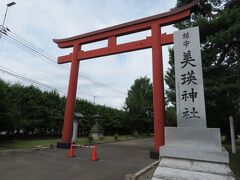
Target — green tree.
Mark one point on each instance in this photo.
(16, 92)
(112, 119)
(5, 120)
(88, 110)
(32, 110)
(171, 119)
(138, 105)
(52, 112)
(219, 32)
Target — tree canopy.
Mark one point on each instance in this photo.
(30, 110)
(138, 105)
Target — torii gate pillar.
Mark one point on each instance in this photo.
(156, 41)
(71, 98)
(158, 87)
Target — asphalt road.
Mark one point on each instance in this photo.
(116, 160)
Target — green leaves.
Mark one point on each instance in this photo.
(31, 110)
(138, 105)
(5, 121)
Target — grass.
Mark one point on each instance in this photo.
(234, 159)
(28, 143)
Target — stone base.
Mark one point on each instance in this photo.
(97, 136)
(183, 169)
(195, 154)
(202, 144)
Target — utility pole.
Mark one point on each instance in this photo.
(4, 19)
(233, 141)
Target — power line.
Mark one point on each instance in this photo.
(33, 45)
(12, 41)
(29, 80)
(40, 84)
(43, 55)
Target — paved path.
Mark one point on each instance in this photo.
(116, 160)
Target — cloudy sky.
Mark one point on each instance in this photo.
(38, 22)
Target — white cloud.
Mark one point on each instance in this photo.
(41, 21)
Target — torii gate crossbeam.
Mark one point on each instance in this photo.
(155, 41)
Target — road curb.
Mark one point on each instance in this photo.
(40, 148)
(143, 174)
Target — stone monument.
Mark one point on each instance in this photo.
(76, 120)
(191, 150)
(97, 131)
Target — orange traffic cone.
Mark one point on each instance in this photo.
(94, 153)
(71, 152)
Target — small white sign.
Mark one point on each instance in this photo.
(188, 79)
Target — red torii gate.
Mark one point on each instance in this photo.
(156, 41)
